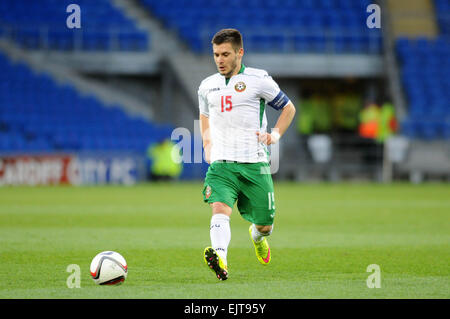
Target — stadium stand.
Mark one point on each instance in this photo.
(39, 114)
(442, 9)
(41, 24)
(412, 18)
(425, 68)
(295, 26)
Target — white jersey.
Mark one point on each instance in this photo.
(236, 111)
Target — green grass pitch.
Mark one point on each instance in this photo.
(325, 237)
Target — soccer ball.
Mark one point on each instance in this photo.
(109, 268)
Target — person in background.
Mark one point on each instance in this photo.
(165, 161)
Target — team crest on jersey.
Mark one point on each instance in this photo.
(240, 86)
(208, 191)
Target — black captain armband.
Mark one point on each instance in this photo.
(279, 101)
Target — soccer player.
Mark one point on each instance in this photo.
(233, 126)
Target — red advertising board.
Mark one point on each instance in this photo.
(73, 169)
(35, 170)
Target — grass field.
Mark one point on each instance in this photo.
(324, 238)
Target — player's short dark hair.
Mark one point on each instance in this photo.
(232, 36)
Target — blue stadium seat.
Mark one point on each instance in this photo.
(442, 9)
(425, 81)
(41, 24)
(36, 114)
(315, 21)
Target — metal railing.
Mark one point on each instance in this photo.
(65, 39)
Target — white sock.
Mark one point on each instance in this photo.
(220, 234)
(257, 236)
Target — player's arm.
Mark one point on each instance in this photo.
(204, 125)
(206, 138)
(278, 100)
(283, 122)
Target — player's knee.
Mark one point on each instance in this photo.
(221, 208)
(264, 229)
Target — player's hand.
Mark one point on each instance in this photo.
(268, 138)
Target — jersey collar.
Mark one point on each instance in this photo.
(241, 70)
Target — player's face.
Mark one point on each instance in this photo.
(228, 60)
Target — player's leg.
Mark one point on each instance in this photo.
(256, 203)
(258, 235)
(260, 231)
(220, 192)
(220, 234)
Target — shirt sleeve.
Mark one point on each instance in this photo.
(202, 104)
(270, 91)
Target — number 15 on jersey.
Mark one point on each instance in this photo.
(226, 104)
